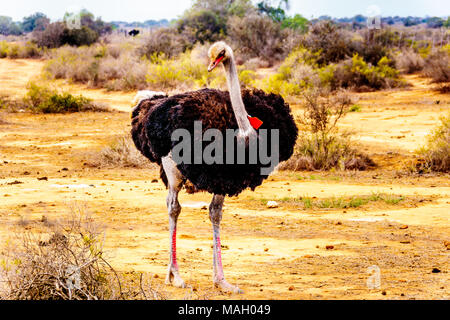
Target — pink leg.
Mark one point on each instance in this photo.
(219, 271)
(215, 215)
(174, 249)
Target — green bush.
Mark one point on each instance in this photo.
(277, 84)
(356, 73)
(57, 34)
(19, 50)
(302, 70)
(79, 37)
(41, 99)
(298, 71)
(355, 108)
(297, 22)
(183, 72)
(435, 156)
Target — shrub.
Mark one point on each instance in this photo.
(113, 68)
(99, 66)
(127, 72)
(51, 37)
(41, 99)
(356, 73)
(57, 34)
(69, 265)
(330, 42)
(320, 145)
(258, 36)
(66, 262)
(435, 156)
(185, 72)
(10, 105)
(164, 73)
(79, 37)
(437, 66)
(27, 50)
(298, 71)
(277, 84)
(167, 41)
(370, 50)
(355, 108)
(408, 61)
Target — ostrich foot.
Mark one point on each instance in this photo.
(174, 278)
(224, 286)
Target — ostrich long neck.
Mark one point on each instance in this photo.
(236, 97)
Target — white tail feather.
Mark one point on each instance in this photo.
(145, 94)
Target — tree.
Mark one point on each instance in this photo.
(8, 27)
(88, 20)
(51, 37)
(277, 13)
(224, 8)
(207, 20)
(202, 25)
(37, 20)
(435, 22)
(79, 37)
(297, 22)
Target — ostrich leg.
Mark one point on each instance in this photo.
(215, 215)
(175, 183)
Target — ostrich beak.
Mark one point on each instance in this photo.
(215, 63)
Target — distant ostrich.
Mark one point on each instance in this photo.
(134, 32)
(156, 116)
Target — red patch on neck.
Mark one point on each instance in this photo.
(255, 122)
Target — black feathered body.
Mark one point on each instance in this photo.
(154, 120)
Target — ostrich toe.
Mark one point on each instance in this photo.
(224, 286)
(174, 278)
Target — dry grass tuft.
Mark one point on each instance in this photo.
(120, 153)
(408, 61)
(66, 262)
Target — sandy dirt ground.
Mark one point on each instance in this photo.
(278, 253)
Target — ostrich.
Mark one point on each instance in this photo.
(156, 116)
(134, 32)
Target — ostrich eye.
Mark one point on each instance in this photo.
(221, 54)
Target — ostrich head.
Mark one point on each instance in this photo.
(219, 52)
